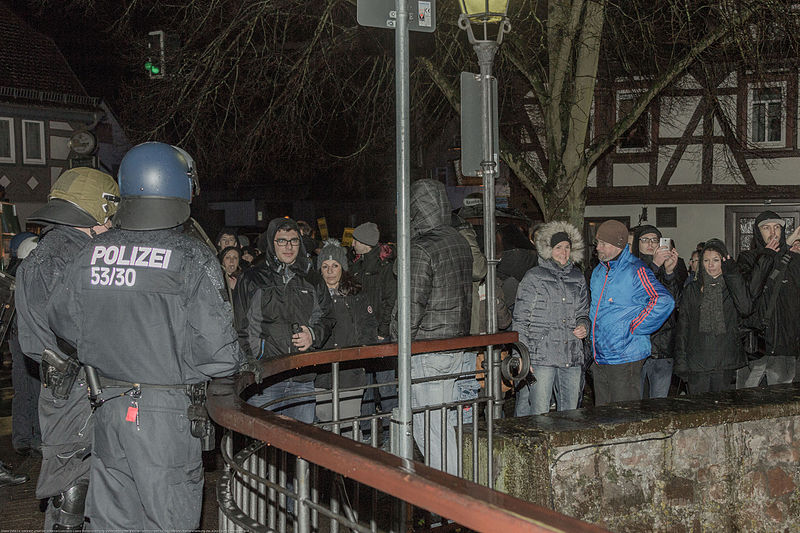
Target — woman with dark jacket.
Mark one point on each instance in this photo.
(356, 324)
(552, 317)
(707, 347)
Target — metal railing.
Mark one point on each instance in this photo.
(284, 475)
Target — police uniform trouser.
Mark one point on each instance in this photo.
(67, 428)
(147, 474)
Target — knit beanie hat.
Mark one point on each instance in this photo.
(767, 217)
(558, 237)
(613, 232)
(333, 251)
(367, 233)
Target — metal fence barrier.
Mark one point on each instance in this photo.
(283, 475)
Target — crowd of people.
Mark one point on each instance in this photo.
(119, 284)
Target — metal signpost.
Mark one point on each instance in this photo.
(402, 16)
(472, 151)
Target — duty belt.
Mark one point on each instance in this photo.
(108, 382)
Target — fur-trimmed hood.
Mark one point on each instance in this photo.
(546, 231)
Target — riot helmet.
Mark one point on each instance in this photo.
(156, 183)
(81, 197)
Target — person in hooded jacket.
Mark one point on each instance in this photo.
(441, 299)
(707, 347)
(664, 262)
(552, 317)
(773, 274)
(280, 307)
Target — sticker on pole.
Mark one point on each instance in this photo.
(425, 11)
(383, 14)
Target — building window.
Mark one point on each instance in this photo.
(33, 142)
(767, 115)
(7, 154)
(637, 138)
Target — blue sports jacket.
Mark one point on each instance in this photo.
(628, 304)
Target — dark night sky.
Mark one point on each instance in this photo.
(91, 52)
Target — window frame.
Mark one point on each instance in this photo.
(29, 160)
(646, 115)
(752, 88)
(12, 137)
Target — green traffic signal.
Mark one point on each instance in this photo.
(154, 69)
(148, 65)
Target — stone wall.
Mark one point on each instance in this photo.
(727, 462)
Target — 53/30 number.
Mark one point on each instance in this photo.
(113, 276)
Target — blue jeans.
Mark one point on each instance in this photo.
(302, 409)
(436, 393)
(534, 398)
(776, 368)
(659, 373)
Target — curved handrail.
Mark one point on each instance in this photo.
(471, 505)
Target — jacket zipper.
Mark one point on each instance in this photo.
(600, 299)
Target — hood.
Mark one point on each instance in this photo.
(637, 233)
(758, 240)
(546, 231)
(301, 264)
(430, 207)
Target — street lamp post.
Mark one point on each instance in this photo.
(487, 14)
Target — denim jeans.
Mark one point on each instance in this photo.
(659, 373)
(534, 398)
(776, 368)
(436, 393)
(301, 409)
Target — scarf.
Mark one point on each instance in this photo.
(712, 317)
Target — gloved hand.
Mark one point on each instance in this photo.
(729, 266)
(253, 366)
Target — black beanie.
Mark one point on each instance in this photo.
(561, 236)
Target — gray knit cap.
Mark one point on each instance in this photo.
(333, 250)
(367, 233)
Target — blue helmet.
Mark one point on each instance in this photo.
(156, 185)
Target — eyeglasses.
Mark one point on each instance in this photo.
(286, 242)
(653, 240)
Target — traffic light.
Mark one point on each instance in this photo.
(155, 54)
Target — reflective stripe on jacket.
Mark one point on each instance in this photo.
(628, 304)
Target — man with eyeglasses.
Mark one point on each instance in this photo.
(280, 307)
(628, 304)
(671, 272)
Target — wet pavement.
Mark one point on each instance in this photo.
(20, 510)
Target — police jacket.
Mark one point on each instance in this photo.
(374, 271)
(628, 304)
(37, 278)
(269, 298)
(441, 267)
(551, 302)
(779, 327)
(697, 351)
(147, 307)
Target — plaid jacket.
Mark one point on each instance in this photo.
(441, 267)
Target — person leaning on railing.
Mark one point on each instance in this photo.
(280, 307)
(552, 317)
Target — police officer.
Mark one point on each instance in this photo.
(144, 302)
(79, 207)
